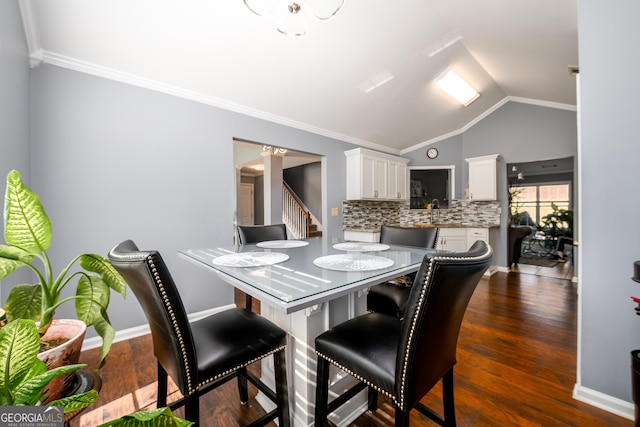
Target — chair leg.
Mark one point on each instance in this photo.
(282, 391)
(162, 387)
(402, 417)
(322, 393)
(447, 399)
(372, 398)
(192, 409)
(242, 386)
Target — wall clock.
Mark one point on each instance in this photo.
(432, 153)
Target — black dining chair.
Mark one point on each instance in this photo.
(391, 297)
(203, 354)
(259, 233)
(404, 358)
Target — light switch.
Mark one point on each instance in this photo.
(334, 211)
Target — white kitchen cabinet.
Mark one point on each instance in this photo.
(483, 178)
(362, 236)
(474, 234)
(452, 239)
(374, 175)
(460, 239)
(398, 179)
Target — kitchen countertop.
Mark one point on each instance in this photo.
(459, 225)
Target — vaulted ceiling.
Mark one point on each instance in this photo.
(220, 53)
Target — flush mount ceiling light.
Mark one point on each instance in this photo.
(454, 85)
(290, 19)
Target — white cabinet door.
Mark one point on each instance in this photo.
(374, 178)
(381, 179)
(452, 239)
(483, 178)
(362, 236)
(398, 187)
(474, 234)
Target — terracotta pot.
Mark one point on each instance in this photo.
(66, 354)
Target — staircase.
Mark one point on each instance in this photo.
(296, 217)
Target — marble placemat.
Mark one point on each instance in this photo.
(360, 247)
(250, 259)
(353, 262)
(282, 244)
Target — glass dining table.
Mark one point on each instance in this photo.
(306, 287)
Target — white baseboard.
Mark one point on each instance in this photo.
(138, 331)
(604, 401)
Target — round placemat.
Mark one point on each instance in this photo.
(360, 247)
(353, 262)
(282, 244)
(250, 259)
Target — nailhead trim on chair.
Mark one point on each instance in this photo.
(174, 323)
(228, 371)
(399, 401)
(190, 390)
(423, 290)
(356, 376)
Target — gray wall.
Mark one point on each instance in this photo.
(609, 69)
(519, 133)
(14, 107)
(113, 161)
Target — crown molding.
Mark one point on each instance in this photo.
(488, 112)
(31, 33)
(111, 74)
(39, 56)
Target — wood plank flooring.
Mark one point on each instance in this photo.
(516, 366)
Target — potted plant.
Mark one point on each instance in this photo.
(28, 232)
(23, 376)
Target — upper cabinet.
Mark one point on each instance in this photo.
(375, 175)
(398, 179)
(483, 178)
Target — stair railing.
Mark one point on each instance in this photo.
(294, 215)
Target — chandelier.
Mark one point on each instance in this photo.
(290, 19)
(273, 150)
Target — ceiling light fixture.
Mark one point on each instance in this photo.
(274, 150)
(454, 85)
(290, 19)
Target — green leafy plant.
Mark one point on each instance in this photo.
(161, 417)
(27, 232)
(23, 376)
(559, 222)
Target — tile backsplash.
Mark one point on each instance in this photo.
(371, 214)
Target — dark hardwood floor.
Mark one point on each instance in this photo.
(516, 366)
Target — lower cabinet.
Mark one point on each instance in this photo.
(474, 234)
(460, 239)
(452, 239)
(362, 236)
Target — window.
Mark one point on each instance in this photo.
(536, 200)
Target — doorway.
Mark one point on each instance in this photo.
(245, 206)
(539, 192)
(300, 170)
